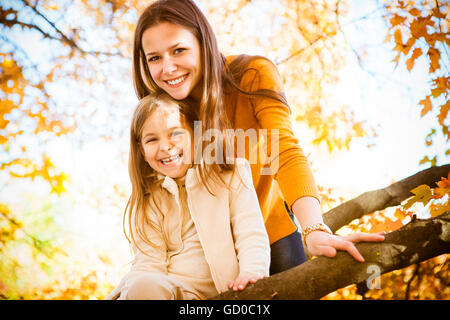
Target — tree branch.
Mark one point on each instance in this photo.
(381, 199)
(415, 242)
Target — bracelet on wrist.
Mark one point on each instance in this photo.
(316, 227)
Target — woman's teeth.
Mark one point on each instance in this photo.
(171, 159)
(177, 81)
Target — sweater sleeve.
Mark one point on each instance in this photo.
(291, 167)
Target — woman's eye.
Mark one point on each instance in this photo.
(178, 50)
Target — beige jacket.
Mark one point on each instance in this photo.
(229, 225)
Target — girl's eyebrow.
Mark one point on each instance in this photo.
(170, 48)
(170, 129)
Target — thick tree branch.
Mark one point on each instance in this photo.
(417, 241)
(381, 199)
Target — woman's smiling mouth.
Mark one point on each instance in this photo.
(176, 82)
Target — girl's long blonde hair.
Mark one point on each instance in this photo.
(144, 179)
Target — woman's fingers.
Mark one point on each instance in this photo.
(321, 243)
(349, 247)
(359, 237)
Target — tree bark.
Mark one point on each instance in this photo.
(380, 199)
(415, 242)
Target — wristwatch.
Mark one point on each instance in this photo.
(316, 227)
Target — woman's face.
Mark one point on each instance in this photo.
(173, 58)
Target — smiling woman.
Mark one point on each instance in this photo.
(173, 56)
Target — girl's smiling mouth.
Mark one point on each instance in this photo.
(175, 159)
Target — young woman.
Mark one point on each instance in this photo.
(192, 237)
(175, 51)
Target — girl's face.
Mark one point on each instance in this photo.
(167, 143)
(173, 58)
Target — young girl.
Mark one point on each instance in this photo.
(175, 51)
(193, 234)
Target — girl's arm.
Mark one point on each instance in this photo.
(250, 235)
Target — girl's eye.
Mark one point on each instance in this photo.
(177, 133)
(150, 140)
(153, 59)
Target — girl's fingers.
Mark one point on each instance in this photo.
(242, 281)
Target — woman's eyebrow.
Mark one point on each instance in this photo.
(171, 47)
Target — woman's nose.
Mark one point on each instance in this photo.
(169, 66)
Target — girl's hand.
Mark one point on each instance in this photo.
(322, 243)
(242, 280)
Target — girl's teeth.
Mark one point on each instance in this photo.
(165, 161)
(177, 81)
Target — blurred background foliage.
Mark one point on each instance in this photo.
(66, 98)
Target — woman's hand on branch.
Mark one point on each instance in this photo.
(322, 243)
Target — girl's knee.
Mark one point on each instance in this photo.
(149, 287)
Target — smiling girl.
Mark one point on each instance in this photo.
(192, 238)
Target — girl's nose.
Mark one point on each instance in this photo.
(167, 147)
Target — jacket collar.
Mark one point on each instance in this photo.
(171, 185)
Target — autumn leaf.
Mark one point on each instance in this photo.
(441, 85)
(396, 20)
(415, 12)
(401, 213)
(393, 225)
(421, 194)
(398, 36)
(444, 112)
(443, 187)
(377, 227)
(434, 55)
(427, 106)
(438, 209)
(410, 62)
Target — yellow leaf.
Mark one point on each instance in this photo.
(437, 210)
(415, 12)
(434, 55)
(410, 62)
(396, 20)
(444, 112)
(427, 106)
(398, 36)
(421, 194)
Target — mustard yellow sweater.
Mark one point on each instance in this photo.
(293, 178)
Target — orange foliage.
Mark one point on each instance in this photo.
(420, 29)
